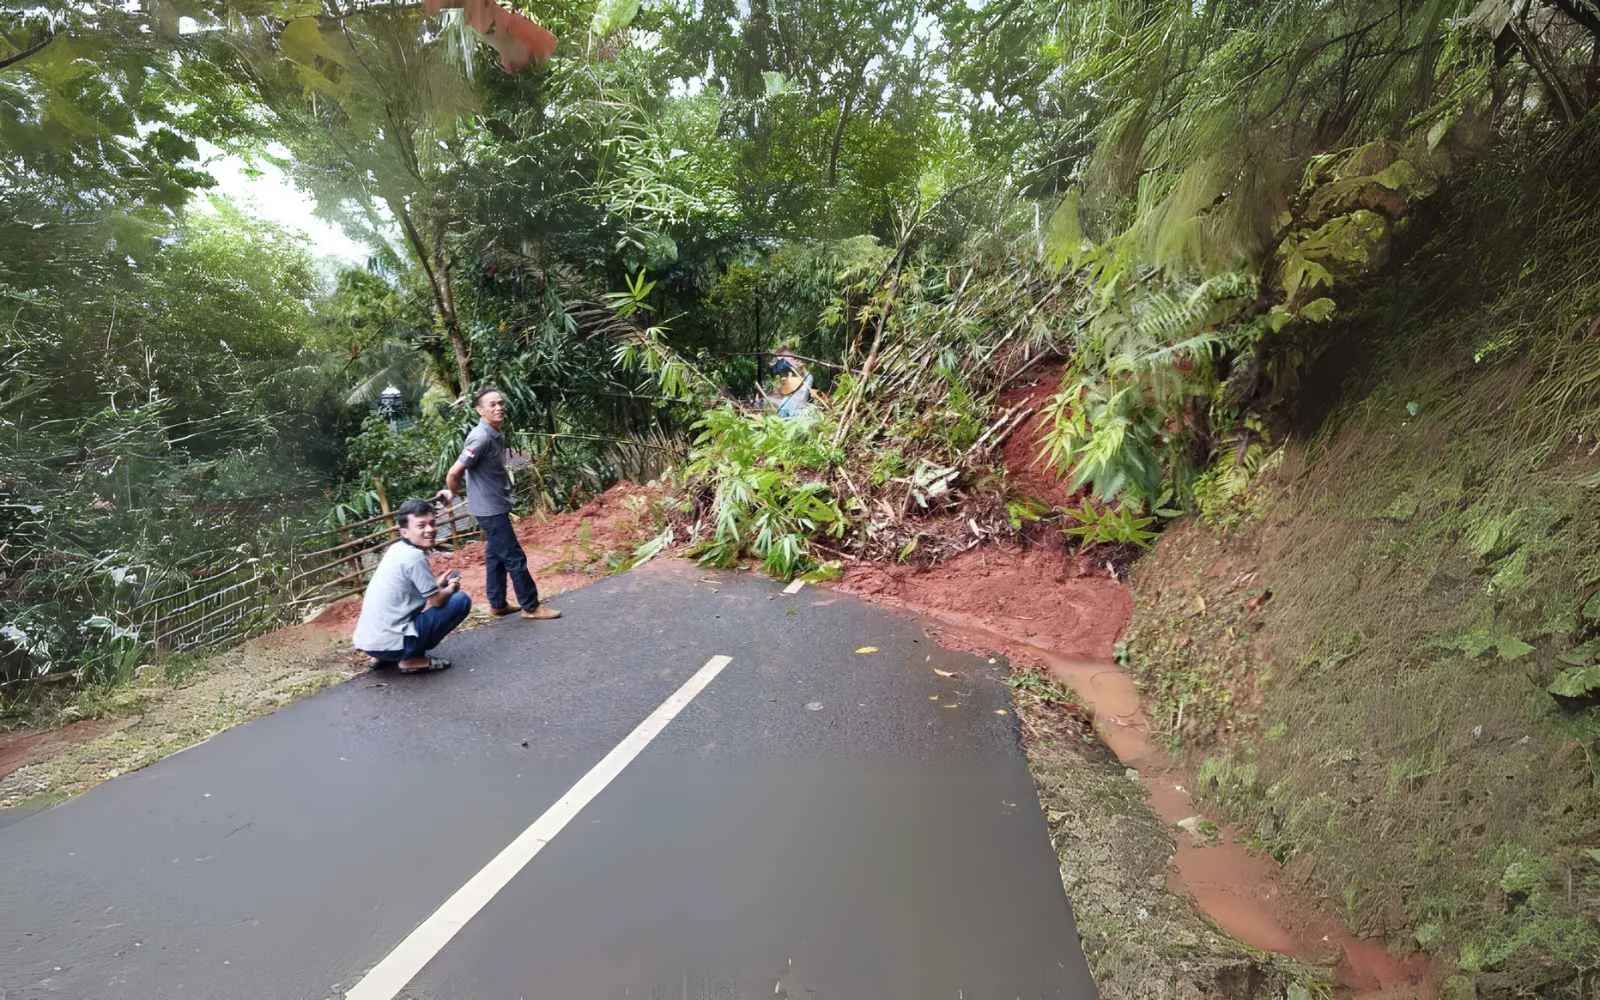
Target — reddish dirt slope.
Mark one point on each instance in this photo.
(1041, 595)
(1029, 476)
(1030, 594)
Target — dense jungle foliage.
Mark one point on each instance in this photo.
(926, 199)
(1180, 200)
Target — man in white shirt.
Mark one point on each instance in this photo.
(406, 610)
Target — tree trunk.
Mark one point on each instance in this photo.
(458, 340)
(458, 345)
(857, 81)
(437, 270)
(838, 137)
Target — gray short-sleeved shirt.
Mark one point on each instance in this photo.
(488, 485)
(399, 587)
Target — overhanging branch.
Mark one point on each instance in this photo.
(28, 52)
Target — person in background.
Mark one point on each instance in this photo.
(406, 610)
(488, 489)
(794, 383)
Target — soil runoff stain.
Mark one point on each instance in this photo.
(1248, 896)
(1244, 893)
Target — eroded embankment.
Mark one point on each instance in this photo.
(1023, 602)
(1141, 892)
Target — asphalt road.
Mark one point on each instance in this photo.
(814, 823)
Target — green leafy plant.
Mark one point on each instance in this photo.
(1035, 685)
(1577, 685)
(767, 493)
(1223, 492)
(654, 547)
(112, 650)
(634, 297)
(1024, 511)
(1104, 439)
(1095, 525)
(1481, 640)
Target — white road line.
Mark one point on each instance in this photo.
(391, 975)
(794, 588)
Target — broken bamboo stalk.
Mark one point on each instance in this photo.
(392, 530)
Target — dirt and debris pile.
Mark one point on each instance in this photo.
(1036, 589)
(1036, 594)
(1026, 472)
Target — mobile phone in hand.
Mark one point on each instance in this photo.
(454, 576)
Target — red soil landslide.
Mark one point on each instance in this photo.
(1036, 605)
(1026, 594)
(1030, 476)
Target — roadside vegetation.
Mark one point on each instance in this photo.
(1394, 630)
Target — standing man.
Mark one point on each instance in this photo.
(488, 488)
(794, 384)
(406, 610)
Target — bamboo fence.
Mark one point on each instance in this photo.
(175, 612)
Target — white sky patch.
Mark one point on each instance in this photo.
(686, 88)
(271, 196)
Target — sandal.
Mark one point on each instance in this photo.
(434, 663)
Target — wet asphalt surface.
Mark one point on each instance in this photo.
(818, 823)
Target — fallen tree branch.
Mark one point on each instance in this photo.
(27, 53)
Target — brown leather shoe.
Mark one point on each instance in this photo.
(502, 612)
(542, 613)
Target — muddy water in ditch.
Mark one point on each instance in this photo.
(1247, 895)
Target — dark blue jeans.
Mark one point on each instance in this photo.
(502, 557)
(433, 624)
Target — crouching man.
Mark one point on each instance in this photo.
(406, 610)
